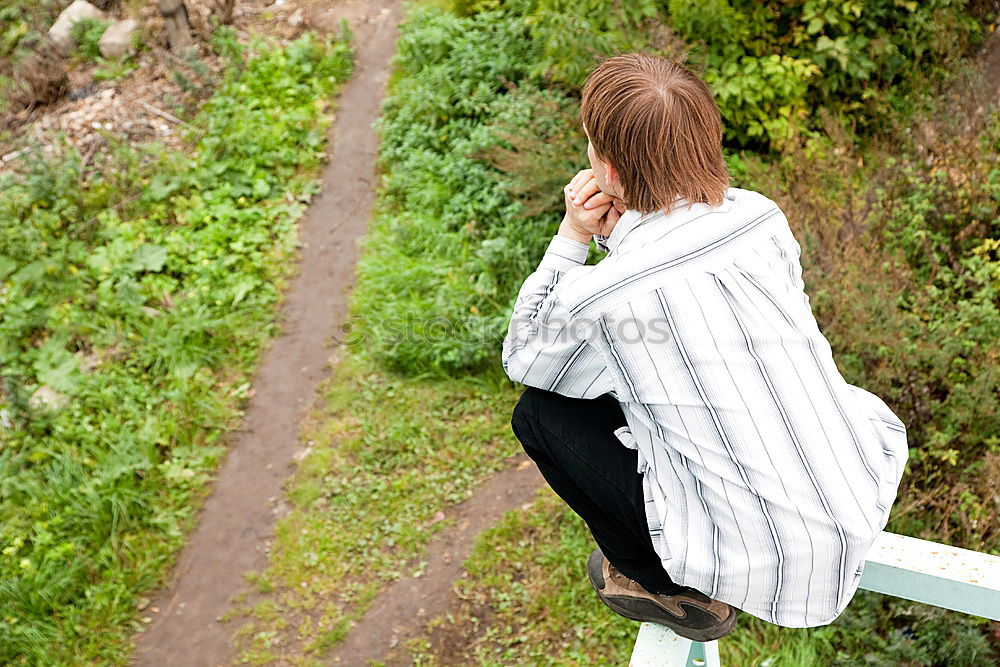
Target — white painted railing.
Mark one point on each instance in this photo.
(905, 567)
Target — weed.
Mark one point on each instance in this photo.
(115, 69)
(87, 34)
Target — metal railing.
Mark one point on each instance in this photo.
(905, 567)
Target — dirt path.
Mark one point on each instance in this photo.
(989, 57)
(237, 518)
(401, 610)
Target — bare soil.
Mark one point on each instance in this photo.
(238, 517)
(990, 64)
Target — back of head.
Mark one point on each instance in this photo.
(655, 121)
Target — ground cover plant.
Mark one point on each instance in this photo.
(138, 286)
(87, 33)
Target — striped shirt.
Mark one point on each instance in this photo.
(766, 475)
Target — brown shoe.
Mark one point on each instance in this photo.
(689, 613)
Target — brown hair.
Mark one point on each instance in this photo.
(656, 122)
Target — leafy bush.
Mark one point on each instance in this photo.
(576, 35)
(936, 217)
(23, 24)
(771, 63)
(466, 98)
(135, 297)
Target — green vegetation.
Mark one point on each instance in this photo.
(31, 68)
(470, 163)
(912, 246)
(385, 455)
(773, 64)
(898, 229)
(23, 24)
(115, 69)
(87, 33)
(136, 293)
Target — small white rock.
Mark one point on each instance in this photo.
(47, 396)
(117, 39)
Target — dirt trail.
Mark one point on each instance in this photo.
(402, 609)
(237, 518)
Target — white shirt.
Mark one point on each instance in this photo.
(766, 475)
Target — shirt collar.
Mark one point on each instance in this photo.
(631, 219)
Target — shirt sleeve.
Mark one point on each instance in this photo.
(546, 346)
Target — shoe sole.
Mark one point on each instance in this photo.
(704, 635)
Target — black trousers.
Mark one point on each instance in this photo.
(573, 443)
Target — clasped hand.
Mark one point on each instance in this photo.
(589, 211)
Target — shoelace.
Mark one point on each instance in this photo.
(621, 580)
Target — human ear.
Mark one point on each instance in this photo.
(611, 172)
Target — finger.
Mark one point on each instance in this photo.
(598, 215)
(581, 177)
(568, 194)
(600, 199)
(575, 180)
(586, 191)
(612, 218)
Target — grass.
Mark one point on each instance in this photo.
(386, 454)
(136, 294)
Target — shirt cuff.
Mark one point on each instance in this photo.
(601, 242)
(563, 254)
